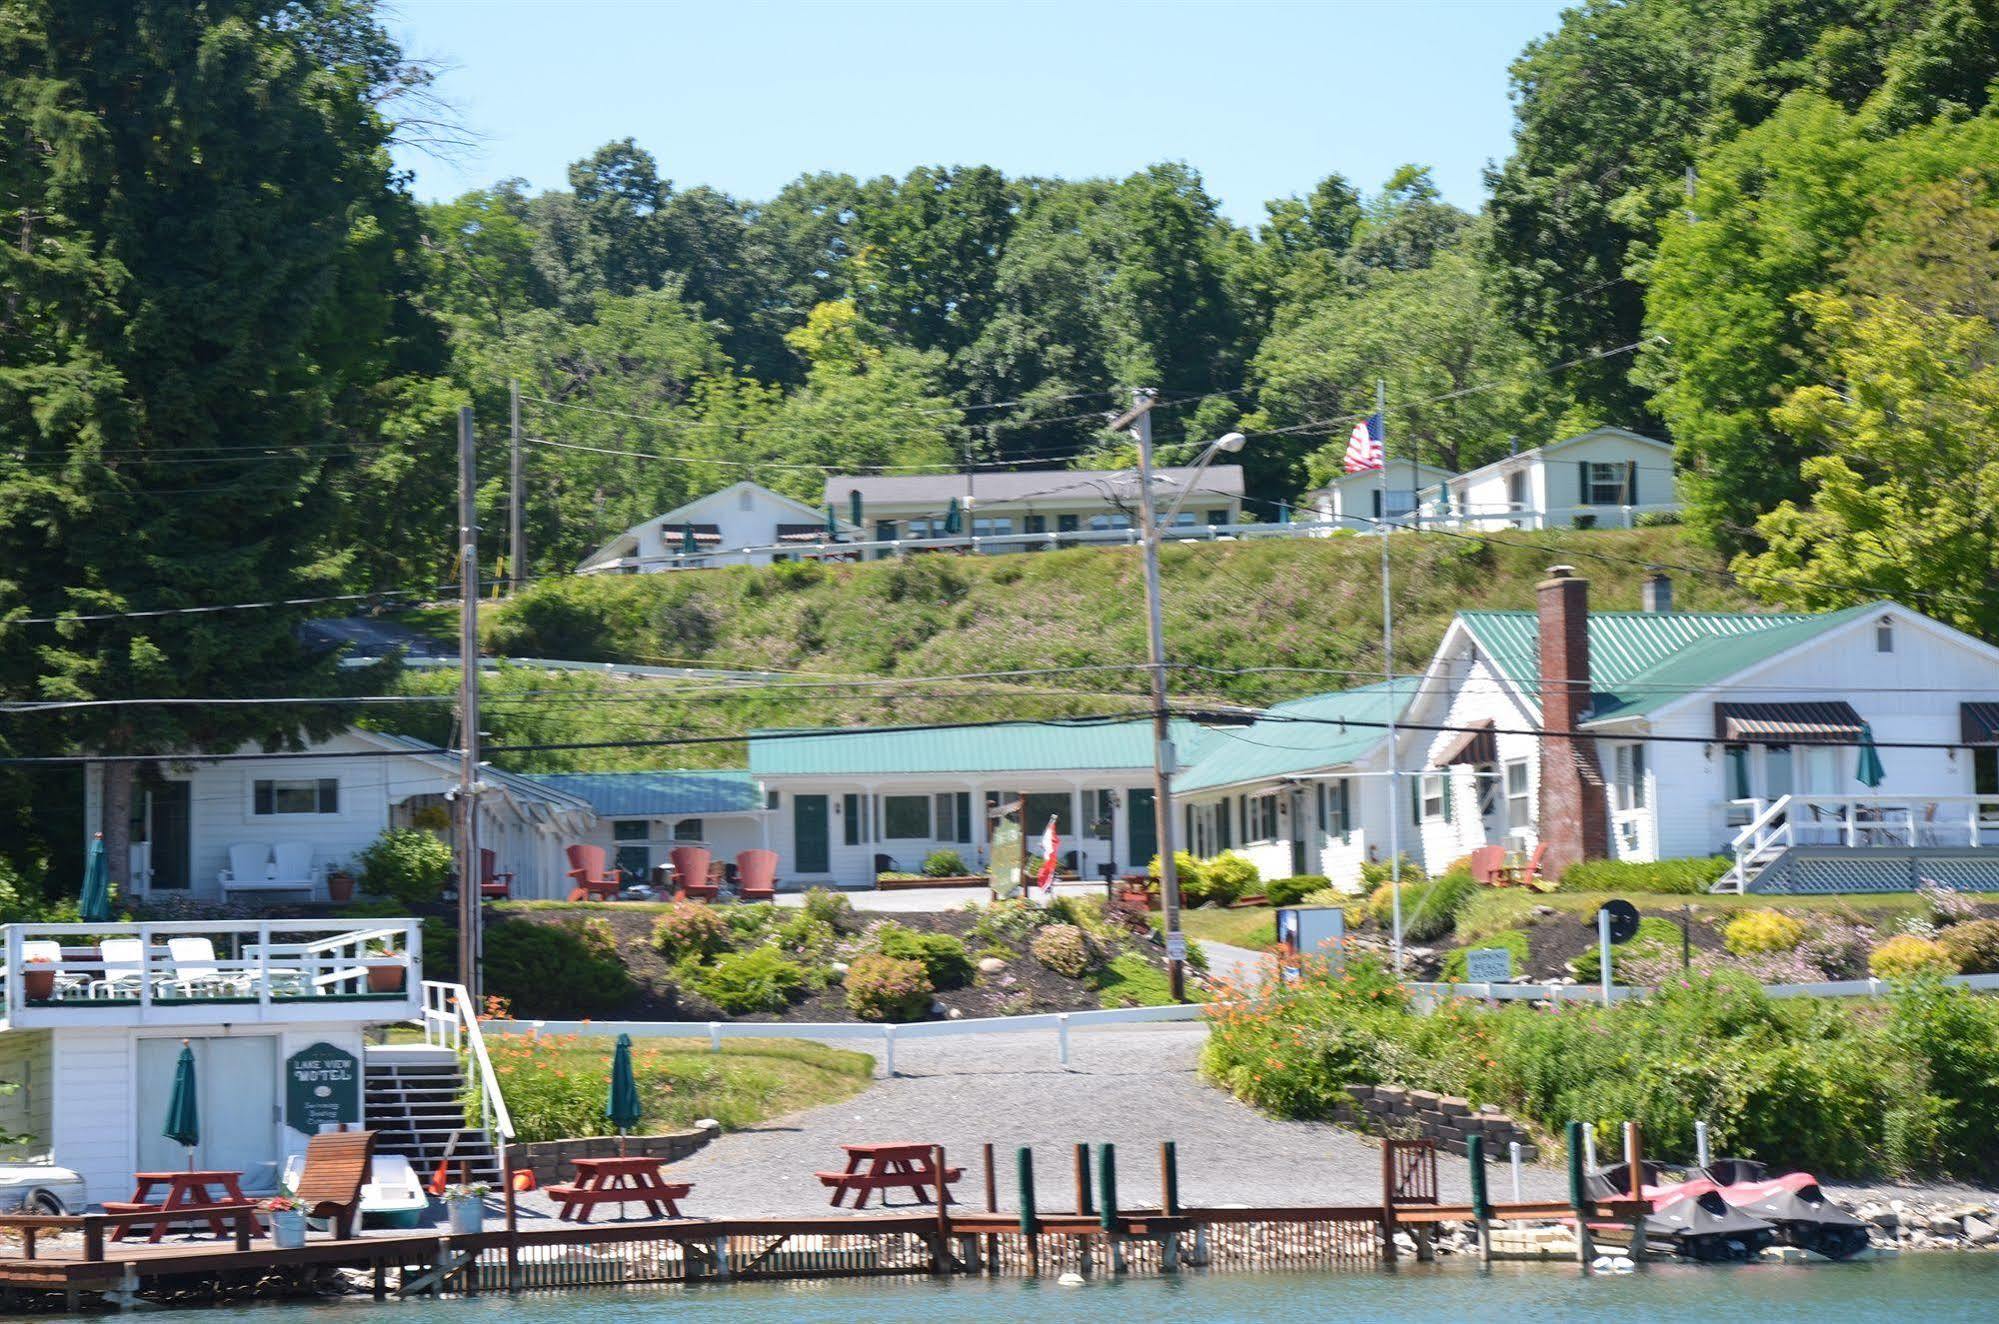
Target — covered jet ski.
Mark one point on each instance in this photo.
(1793, 1203)
(1690, 1216)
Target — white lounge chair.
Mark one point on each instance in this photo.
(46, 951)
(249, 869)
(292, 869)
(196, 974)
(124, 968)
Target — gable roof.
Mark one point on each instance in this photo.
(1542, 452)
(662, 794)
(1424, 473)
(1641, 660)
(1009, 747)
(1273, 746)
(1022, 485)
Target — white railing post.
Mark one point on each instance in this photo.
(12, 992)
(888, 1053)
(145, 970)
(714, 1036)
(1062, 1036)
(1852, 825)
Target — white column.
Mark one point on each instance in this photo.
(1076, 825)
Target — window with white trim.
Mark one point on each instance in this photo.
(1607, 481)
(1109, 523)
(1262, 821)
(1519, 795)
(283, 797)
(1436, 798)
(1627, 780)
(906, 817)
(1884, 637)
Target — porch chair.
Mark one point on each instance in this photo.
(756, 875)
(594, 881)
(195, 972)
(336, 1168)
(1488, 864)
(249, 869)
(124, 968)
(492, 883)
(40, 951)
(690, 874)
(1530, 875)
(292, 868)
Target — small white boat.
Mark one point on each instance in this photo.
(391, 1197)
(40, 1188)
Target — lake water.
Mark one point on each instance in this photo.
(1929, 1288)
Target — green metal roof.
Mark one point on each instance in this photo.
(662, 794)
(1276, 747)
(1009, 747)
(1640, 660)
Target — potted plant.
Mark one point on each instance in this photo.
(384, 978)
(287, 1221)
(339, 883)
(466, 1207)
(38, 979)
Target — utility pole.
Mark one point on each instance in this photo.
(469, 945)
(1388, 674)
(1140, 420)
(516, 536)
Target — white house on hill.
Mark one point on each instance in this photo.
(1032, 501)
(743, 524)
(1364, 497)
(1603, 478)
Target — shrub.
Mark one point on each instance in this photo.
(760, 979)
(808, 940)
(689, 928)
(1758, 932)
(1513, 940)
(1065, 949)
(751, 922)
(887, 988)
(944, 864)
(1185, 867)
(945, 961)
(1945, 904)
(1373, 873)
(1429, 907)
(567, 967)
(406, 865)
(1291, 891)
(1657, 943)
(829, 907)
(1009, 920)
(1222, 879)
(1674, 877)
(1974, 945)
(1906, 956)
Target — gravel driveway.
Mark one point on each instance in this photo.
(1134, 1086)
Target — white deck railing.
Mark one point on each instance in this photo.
(260, 963)
(449, 1020)
(1860, 822)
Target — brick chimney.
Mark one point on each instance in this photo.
(1574, 813)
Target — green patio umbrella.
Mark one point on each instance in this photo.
(832, 524)
(1284, 512)
(954, 523)
(95, 905)
(623, 1107)
(854, 508)
(688, 547)
(1867, 768)
(183, 1115)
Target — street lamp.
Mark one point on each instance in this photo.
(1139, 419)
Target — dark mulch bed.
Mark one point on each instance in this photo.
(1023, 986)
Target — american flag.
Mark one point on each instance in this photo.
(1364, 446)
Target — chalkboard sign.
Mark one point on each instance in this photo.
(322, 1089)
(1488, 965)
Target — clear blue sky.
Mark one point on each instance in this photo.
(1262, 98)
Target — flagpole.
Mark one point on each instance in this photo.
(1388, 674)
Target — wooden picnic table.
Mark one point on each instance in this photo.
(878, 1168)
(185, 1189)
(619, 1180)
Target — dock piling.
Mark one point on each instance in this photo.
(1634, 1159)
(940, 1260)
(1084, 1205)
(1029, 1223)
(1108, 1219)
(1481, 1204)
(1169, 1178)
(1579, 1200)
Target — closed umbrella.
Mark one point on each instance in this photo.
(1284, 512)
(1868, 766)
(953, 522)
(832, 525)
(183, 1113)
(95, 906)
(622, 1108)
(688, 547)
(854, 508)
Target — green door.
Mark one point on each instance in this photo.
(809, 841)
(1141, 831)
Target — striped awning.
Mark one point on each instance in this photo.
(1473, 745)
(1981, 723)
(1787, 723)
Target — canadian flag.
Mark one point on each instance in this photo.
(1051, 843)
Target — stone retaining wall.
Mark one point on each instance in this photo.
(550, 1159)
(1444, 1118)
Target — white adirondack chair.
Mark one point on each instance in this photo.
(196, 974)
(249, 869)
(293, 870)
(124, 968)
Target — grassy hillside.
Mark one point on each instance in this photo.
(1310, 604)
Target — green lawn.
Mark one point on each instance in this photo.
(1254, 927)
(555, 1086)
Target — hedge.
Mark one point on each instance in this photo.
(1669, 877)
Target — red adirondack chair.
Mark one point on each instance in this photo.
(492, 882)
(690, 874)
(1487, 863)
(756, 875)
(594, 881)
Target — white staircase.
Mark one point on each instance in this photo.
(415, 1105)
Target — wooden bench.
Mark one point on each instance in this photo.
(861, 1184)
(124, 1215)
(662, 1199)
(336, 1167)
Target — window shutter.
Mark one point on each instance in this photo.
(1416, 800)
(263, 797)
(1631, 482)
(1450, 795)
(329, 795)
(1582, 482)
(850, 830)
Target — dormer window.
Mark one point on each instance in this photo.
(1884, 637)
